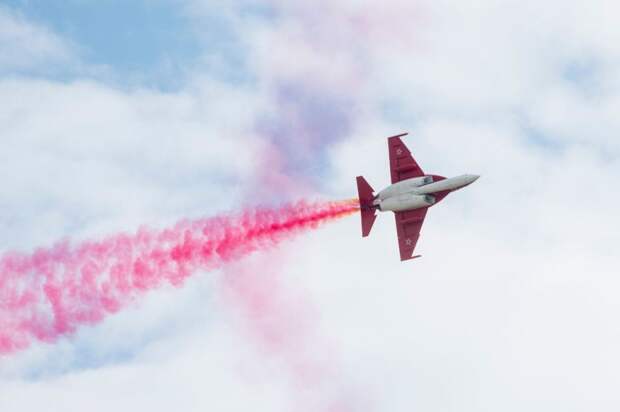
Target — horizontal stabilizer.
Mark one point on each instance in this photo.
(367, 210)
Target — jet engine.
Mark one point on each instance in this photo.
(404, 186)
(407, 201)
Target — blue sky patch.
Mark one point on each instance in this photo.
(152, 43)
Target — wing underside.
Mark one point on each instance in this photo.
(408, 226)
(402, 164)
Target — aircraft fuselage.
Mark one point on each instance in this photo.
(419, 192)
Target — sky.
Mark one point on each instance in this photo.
(119, 114)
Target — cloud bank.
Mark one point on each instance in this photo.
(513, 304)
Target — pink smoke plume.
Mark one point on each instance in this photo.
(284, 325)
(51, 292)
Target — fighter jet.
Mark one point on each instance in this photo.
(409, 196)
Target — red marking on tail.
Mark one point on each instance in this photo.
(53, 291)
(367, 209)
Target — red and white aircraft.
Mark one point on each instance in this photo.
(409, 196)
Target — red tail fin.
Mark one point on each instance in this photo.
(367, 209)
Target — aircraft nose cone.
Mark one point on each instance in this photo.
(471, 179)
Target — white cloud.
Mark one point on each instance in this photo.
(84, 152)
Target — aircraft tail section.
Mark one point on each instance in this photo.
(368, 210)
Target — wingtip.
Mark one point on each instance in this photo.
(398, 135)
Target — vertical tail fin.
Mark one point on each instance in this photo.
(367, 209)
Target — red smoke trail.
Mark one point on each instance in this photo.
(53, 291)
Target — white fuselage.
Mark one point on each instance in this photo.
(418, 192)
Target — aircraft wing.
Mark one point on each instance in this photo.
(402, 164)
(408, 226)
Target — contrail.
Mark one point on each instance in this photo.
(51, 292)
